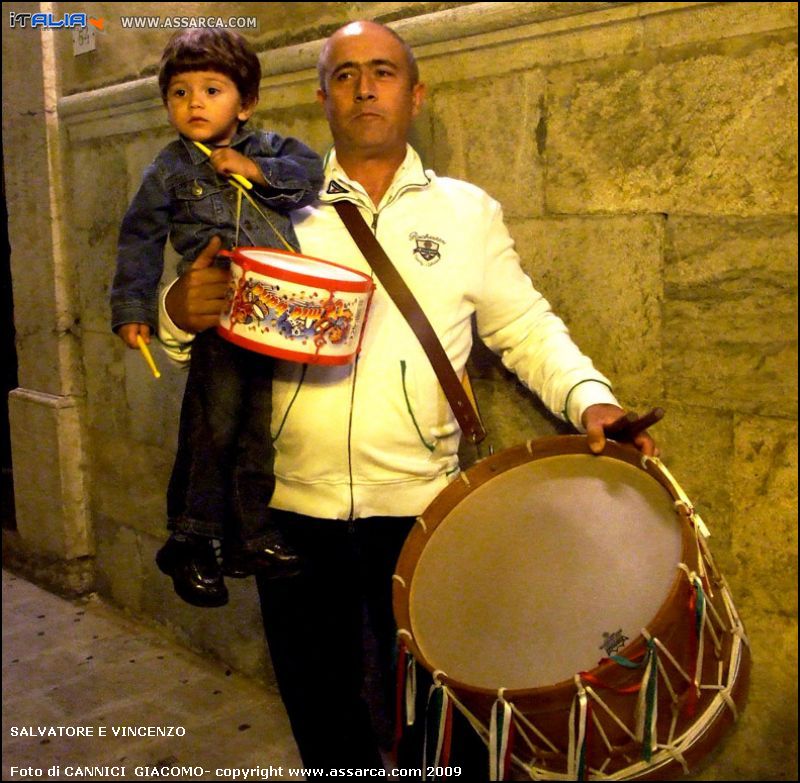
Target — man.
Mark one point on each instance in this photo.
(362, 450)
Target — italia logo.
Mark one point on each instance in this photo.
(426, 248)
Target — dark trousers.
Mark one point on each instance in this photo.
(331, 635)
(222, 480)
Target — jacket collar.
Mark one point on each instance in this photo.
(197, 157)
(338, 185)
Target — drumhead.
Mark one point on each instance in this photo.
(543, 570)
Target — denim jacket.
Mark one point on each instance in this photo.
(183, 197)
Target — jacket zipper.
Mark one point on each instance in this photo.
(351, 518)
(361, 205)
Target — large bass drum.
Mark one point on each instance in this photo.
(569, 606)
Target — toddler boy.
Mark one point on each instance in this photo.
(222, 479)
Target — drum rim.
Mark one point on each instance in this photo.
(515, 456)
(363, 286)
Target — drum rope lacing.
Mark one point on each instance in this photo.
(661, 752)
(682, 500)
(705, 617)
(646, 711)
(673, 748)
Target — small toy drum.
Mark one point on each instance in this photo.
(569, 606)
(295, 307)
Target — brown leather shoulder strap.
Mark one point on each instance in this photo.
(397, 289)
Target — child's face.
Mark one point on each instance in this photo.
(206, 106)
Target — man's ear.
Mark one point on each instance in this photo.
(418, 93)
(322, 96)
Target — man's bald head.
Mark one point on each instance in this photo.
(357, 28)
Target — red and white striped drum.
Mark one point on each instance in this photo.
(569, 606)
(295, 307)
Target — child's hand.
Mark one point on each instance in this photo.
(129, 332)
(228, 161)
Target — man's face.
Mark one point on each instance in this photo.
(369, 99)
(205, 106)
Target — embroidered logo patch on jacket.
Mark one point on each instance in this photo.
(426, 248)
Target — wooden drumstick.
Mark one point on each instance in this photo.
(621, 424)
(148, 357)
(630, 425)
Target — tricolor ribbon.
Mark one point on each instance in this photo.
(438, 728)
(578, 716)
(405, 691)
(500, 738)
(647, 705)
(410, 694)
(647, 688)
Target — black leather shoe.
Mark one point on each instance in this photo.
(275, 561)
(195, 573)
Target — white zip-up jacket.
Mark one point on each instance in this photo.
(378, 438)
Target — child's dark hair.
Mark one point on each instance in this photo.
(211, 49)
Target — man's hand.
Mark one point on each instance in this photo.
(228, 161)
(197, 297)
(597, 417)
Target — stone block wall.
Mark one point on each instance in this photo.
(645, 155)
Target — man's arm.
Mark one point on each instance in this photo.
(176, 343)
(517, 322)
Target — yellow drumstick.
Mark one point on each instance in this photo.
(148, 357)
(238, 177)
